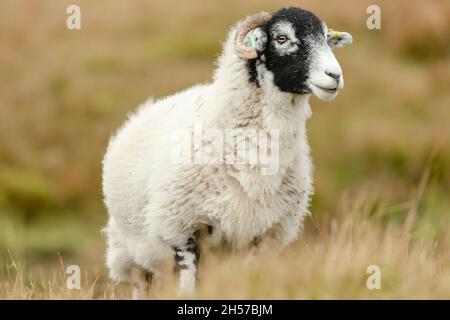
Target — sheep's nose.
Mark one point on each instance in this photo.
(335, 76)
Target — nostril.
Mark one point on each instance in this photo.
(335, 76)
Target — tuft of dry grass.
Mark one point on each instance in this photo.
(329, 261)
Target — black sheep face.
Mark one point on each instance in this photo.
(294, 46)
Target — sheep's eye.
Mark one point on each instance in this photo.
(282, 39)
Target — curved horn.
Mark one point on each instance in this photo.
(244, 28)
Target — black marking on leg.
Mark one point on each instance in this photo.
(189, 248)
(179, 258)
(256, 241)
(148, 276)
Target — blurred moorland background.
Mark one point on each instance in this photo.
(381, 149)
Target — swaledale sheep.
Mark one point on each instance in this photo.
(269, 67)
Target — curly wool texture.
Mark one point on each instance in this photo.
(153, 203)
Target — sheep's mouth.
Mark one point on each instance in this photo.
(327, 90)
(324, 93)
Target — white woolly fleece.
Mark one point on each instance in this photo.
(153, 203)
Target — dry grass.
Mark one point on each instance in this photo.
(330, 261)
(381, 150)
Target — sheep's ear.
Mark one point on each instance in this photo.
(256, 38)
(338, 39)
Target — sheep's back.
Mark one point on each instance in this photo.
(138, 157)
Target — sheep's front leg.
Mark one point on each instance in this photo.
(186, 259)
(276, 238)
(140, 279)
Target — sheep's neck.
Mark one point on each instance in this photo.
(250, 107)
(264, 108)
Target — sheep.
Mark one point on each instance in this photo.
(269, 67)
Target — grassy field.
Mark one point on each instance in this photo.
(381, 149)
